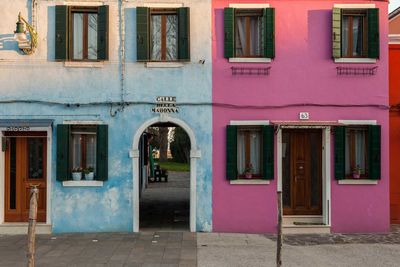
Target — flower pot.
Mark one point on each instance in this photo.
(248, 175)
(76, 176)
(356, 175)
(89, 176)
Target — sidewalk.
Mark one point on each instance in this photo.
(186, 249)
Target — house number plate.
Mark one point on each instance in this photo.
(304, 116)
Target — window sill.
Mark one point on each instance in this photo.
(82, 183)
(355, 60)
(249, 181)
(249, 60)
(358, 181)
(164, 65)
(84, 64)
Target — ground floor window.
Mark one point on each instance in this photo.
(357, 152)
(82, 152)
(250, 152)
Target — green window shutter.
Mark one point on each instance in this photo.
(231, 152)
(142, 33)
(269, 38)
(373, 32)
(102, 153)
(63, 133)
(268, 152)
(374, 152)
(102, 33)
(229, 32)
(61, 37)
(336, 32)
(184, 34)
(340, 152)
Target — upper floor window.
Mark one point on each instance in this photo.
(81, 33)
(249, 32)
(355, 33)
(163, 34)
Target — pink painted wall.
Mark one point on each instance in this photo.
(302, 72)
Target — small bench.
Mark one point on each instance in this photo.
(160, 174)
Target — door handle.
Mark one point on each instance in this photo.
(34, 185)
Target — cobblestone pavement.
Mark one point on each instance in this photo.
(146, 249)
(326, 239)
(166, 206)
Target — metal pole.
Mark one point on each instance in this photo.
(32, 225)
(279, 238)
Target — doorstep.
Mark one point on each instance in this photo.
(22, 228)
(306, 229)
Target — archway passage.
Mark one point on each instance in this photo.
(164, 178)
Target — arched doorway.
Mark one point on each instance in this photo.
(135, 154)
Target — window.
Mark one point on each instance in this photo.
(250, 152)
(82, 147)
(249, 32)
(81, 33)
(357, 152)
(163, 34)
(355, 33)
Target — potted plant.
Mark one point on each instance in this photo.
(248, 171)
(89, 173)
(357, 172)
(77, 174)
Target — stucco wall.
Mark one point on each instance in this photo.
(302, 73)
(39, 77)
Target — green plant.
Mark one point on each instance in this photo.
(357, 169)
(249, 168)
(88, 170)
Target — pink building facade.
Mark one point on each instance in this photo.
(300, 96)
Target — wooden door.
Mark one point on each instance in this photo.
(302, 172)
(25, 165)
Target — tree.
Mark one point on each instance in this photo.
(163, 139)
(180, 146)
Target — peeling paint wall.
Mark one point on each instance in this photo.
(39, 77)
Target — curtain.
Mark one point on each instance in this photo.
(78, 36)
(357, 157)
(92, 36)
(256, 35)
(76, 151)
(156, 37)
(241, 152)
(357, 36)
(91, 151)
(240, 36)
(172, 37)
(255, 147)
(360, 150)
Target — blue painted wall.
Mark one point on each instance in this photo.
(39, 77)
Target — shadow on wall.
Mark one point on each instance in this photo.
(320, 34)
(51, 29)
(7, 42)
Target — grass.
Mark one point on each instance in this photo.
(174, 166)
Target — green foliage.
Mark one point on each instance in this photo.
(174, 166)
(180, 147)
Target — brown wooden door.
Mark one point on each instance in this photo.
(302, 175)
(25, 165)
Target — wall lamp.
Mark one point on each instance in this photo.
(27, 46)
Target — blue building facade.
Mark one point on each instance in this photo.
(105, 97)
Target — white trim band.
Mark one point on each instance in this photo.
(249, 5)
(358, 182)
(249, 181)
(249, 60)
(82, 183)
(351, 6)
(164, 65)
(355, 60)
(358, 122)
(254, 122)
